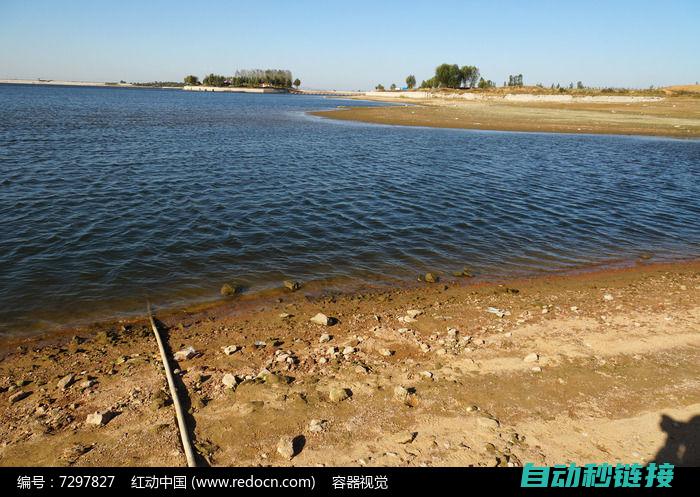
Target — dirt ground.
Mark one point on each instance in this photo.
(589, 367)
(673, 116)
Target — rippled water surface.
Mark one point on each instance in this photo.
(110, 196)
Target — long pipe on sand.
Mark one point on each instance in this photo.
(184, 436)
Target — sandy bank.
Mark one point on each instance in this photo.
(625, 115)
(589, 368)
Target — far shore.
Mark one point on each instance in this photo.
(673, 115)
(587, 367)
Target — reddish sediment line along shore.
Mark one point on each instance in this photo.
(591, 367)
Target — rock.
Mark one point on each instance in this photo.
(228, 290)
(66, 381)
(348, 350)
(292, 285)
(231, 349)
(498, 312)
(431, 278)
(407, 319)
(427, 374)
(414, 313)
(17, 396)
(322, 360)
(338, 394)
(400, 392)
(472, 408)
(386, 352)
(486, 422)
(184, 354)
(229, 380)
(361, 369)
(608, 297)
(285, 447)
(322, 319)
(325, 338)
(285, 315)
(87, 384)
(464, 273)
(260, 344)
(99, 418)
(317, 425)
(161, 399)
(536, 369)
(531, 357)
(404, 437)
(452, 332)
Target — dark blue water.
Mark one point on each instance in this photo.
(110, 196)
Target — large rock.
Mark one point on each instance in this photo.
(431, 278)
(533, 357)
(338, 394)
(322, 319)
(292, 285)
(66, 381)
(486, 422)
(228, 290)
(17, 396)
(99, 418)
(285, 447)
(184, 354)
(229, 380)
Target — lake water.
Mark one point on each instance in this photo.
(110, 196)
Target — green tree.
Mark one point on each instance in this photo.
(470, 75)
(191, 80)
(297, 83)
(411, 81)
(486, 83)
(392, 87)
(448, 76)
(580, 86)
(379, 87)
(214, 80)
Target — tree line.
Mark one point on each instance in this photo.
(247, 78)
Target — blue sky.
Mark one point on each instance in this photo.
(353, 45)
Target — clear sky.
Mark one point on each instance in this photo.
(353, 44)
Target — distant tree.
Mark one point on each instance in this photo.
(392, 87)
(579, 85)
(486, 83)
(191, 80)
(571, 86)
(214, 80)
(448, 76)
(411, 81)
(379, 87)
(470, 75)
(515, 80)
(297, 83)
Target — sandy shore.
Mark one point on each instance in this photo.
(591, 367)
(672, 116)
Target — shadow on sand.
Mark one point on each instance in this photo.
(682, 447)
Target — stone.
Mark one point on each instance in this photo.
(228, 290)
(386, 352)
(317, 425)
(231, 349)
(414, 313)
(229, 380)
(99, 418)
(285, 447)
(486, 422)
(608, 297)
(498, 312)
(536, 369)
(533, 357)
(292, 285)
(285, 315)
(348, 350)
(325, 338)
(431, 278)
(321, 319)
(338, 394)
(65, 382)
(404, 437)
(472, 408)
(427, 374)
(184, 354)
(17, 396)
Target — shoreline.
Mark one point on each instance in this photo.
(670, 116)
(339, 285)
(614, 350)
